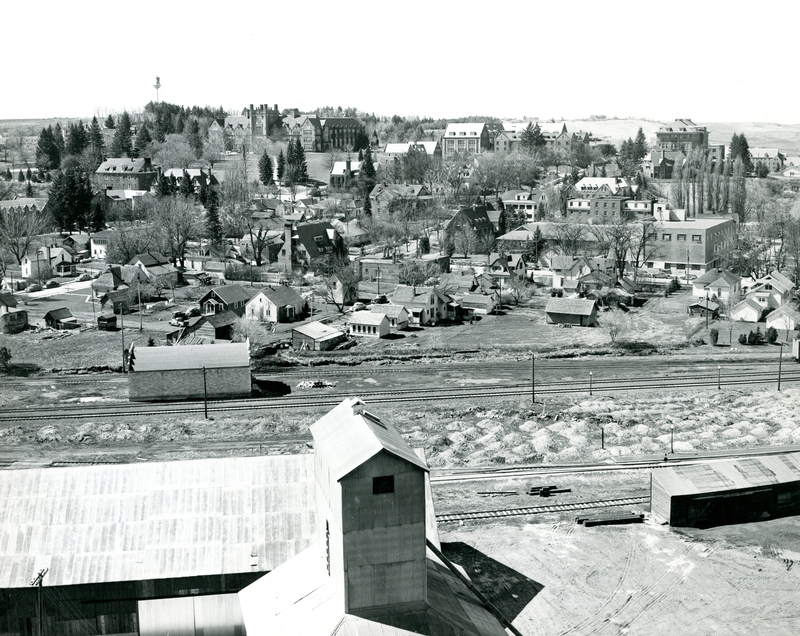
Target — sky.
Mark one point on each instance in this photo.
(708, 61)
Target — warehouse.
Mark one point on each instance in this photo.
(148, 548)
(728, 491)
(189, 372)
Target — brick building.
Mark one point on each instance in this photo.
(683, 135)
(125, 173)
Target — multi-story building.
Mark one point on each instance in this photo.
(772, 158)
(125, 173)
(683, 135)
(263, 119)
(466, 139)
(522, 206)
(699, 244)
(508, 141)
(599, 210)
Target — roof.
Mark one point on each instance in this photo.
(22, 202)
(713, 275)
(299, 597)
(784, 310)
(475, 301)
(405, 294)
(692, 224)
(477, 217)
(281, 295)
(308, 232)
(217, 356)
(366, 318)
(222, 319)
(573, 306)
(62, 313)
(123, 165)
(731, 474)
(469, 130)
(348, 436)
(777, 276)
(149, 259)
(228, 294)
(389, 309)
(748, 302)
(317, 331)
(705, 304)
(340, 167)
(8, 300)
(154, 520)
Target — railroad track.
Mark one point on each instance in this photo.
(571, 387)
(536, 510)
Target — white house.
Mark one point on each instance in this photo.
(747, 311)
(275, 304)
(725, 285)
(60, 261)
(368, 325)
(397, 314)
(784, 318)
(772, 290)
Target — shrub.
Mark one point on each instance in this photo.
(751, 338)
(743, 338)
(758, 336)
(5, 357)
(772, 335)
(713, 336)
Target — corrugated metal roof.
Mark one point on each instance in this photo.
(191, 357)
(573, 306)
(734, 474)
(107, 523)
(348, 436)
(317, 330)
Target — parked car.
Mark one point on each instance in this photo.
(51, 284)
(193, 312)
(358, 307)
(380, 300)
(33, 288)
(83, 277)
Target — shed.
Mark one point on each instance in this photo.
(12, 320)
(316, 336)
(747, 311)
(785, 317)
(396, 314)
(702, 307)
(727, 491)
(119, 299)
(107, 323)
(571, 311)
(189, 372)
(365, 324)
(61, 319)
(483, 304)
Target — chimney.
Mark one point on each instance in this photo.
(251, 109)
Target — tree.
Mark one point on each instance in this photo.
(640, 146)
(339, 283)
(532, 140)
(19, 226)
(70, 199)
(213, 223)
(143, 140)
(281, 165)
(175, 222)
(48, 156)
(109, 123)
(740, 149)
(186, 187)
(713, 335)
(367, 207)
(367, 172)
(28, 174)
(21, 177)
(194, 139)
(122, 145)
(418, 272)
(464, 240)
(96, 142)
(519, 289)
(97, 217)
(738, 190)
(265, 169)
(615, 322)
(299, 166)
(5, 357)
(175, 152)
(772, 335)
(77, 138)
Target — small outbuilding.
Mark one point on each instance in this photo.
(189, 372)
(729, 491)
(316, 336)
(784, 318)
(107, 323)
(12, 320)
(61, 318)
(747, 311)
(119, 299)
(571, 311)
(482, 304)
(365, 324)
(703, 307)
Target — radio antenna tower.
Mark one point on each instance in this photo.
(157, 85)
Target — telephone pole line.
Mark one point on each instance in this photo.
(37, 581)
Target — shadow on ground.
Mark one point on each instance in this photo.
(508, 590)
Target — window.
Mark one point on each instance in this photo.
(666, 237)
(681, 237)
(697, 238)
(383, 485)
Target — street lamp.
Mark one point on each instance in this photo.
(719, 371)
(590, 383)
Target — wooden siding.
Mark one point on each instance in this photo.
(183, 384)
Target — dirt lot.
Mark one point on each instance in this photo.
(561, 578)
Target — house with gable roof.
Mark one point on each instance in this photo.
(396, 314)
(367, 324)
(747, 310)
(200, 178)
(156, 265)
(571, 311)
(376, 567)
(278, 303)
(224, 298)
(425, 305)
(772, 290)
(784, 317)
(60, 260)
(126, 173)
(474, 218)
(725, 285)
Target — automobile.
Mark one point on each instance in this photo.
(33, 288)
(193, 312)
(380, 300)
(51, 284)
(84, 277)
(358, 307)
(85, 260)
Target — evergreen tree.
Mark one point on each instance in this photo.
(213, 223)
(281, 165)
(122, 146)
(143, 139)
(361, 141)
(96, 136)
(173, 184)
(291, 155)
(640, 146)
(109, 123)
(8, 174)
(361, 155)
(527, 138)
(368, 172)
(28, 174)
(47, 154)
(186, 187)
(77, 138)
(70, 199)
(158, 131)
(300, 165)
(21, 177)
(740, 148)
(97, 218)
(29, 189)
(58, 137)
(202, 195)
(194, 138)
(163, 187)
(367, 207)
(180, 124)
(265, 169)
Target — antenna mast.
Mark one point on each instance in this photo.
(157, 85)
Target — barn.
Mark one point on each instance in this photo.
(189, 372)
(726, 491)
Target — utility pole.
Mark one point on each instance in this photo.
(590, 383)
(706, 309)
(139, 290)
(37, 581)
(205, 393)
(122, 331)
(533, 378)
(780, 361)
(687, 265)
